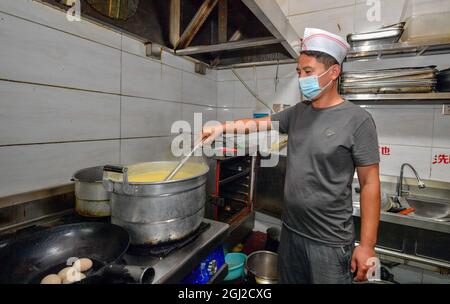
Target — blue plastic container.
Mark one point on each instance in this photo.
(260, 115)
(235, 263)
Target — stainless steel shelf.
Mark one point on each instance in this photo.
(399, 49)
(415, 98)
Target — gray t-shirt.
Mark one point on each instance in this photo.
(324, 147)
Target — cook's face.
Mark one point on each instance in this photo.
(309, 66)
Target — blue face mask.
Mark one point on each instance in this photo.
(310, 87)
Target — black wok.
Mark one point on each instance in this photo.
(30, 257)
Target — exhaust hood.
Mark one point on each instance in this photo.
(218, 33)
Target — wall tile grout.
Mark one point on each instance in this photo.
(85, 141)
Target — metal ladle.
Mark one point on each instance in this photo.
(183, 161)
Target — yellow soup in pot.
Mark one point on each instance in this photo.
(158, 176)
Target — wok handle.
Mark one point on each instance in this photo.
(130, 273)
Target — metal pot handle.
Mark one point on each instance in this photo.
(108, 185)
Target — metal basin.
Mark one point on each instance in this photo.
(262, 267)
(430, 208)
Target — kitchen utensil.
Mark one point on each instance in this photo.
(400, 80)
(262, 267)
(398, 74)
(29, 257)
(235, 261)
(91, 198)
(183, 161)
(407, 211)
(156, 212)
(384, 35)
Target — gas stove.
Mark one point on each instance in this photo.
(198, 258)
(201, 255)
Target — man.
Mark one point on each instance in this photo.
(328, 139)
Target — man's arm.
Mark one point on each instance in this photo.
(241, 126)
(370, 202)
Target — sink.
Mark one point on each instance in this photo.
(430, 208)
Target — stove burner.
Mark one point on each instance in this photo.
(163, 250)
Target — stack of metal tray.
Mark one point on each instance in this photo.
(390, 81)
(385, 35)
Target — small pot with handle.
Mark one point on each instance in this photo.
(92, 200)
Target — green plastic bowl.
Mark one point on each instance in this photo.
(235, 263)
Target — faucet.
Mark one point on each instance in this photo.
(400, 190)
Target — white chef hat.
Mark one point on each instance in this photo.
(326, 42)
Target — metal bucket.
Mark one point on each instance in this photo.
(156, 212)
(261, 267)
(91, 198)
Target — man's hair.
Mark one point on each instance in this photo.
(321, 57)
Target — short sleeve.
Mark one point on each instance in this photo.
(283, 119)
(365, 150)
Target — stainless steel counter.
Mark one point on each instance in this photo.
(406, 220)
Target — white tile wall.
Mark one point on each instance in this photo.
(286, 92)
(440, 171)
(242, 97)
(441, 129)
(404, 126)
(225, 114)
(143, 77)
(225, 93)
(40, 114)
(242, 113)
(199, 90)
(347, 16)
(225, 75)
(145, 150)
(303, 7)
(35, 53)
(390, 13)
(420, 7)
(43, 14)
(419, 157)
(33, 167)
(51, 76)
(145, 117)
(338, 20)
(208, 114)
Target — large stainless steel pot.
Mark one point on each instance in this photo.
(156, 212)
(91, 198)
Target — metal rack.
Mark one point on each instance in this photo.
(400, 49)
(411, 98)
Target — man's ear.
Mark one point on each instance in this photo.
(336, 71)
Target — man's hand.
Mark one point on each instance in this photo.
(210, 133)
(361, 255)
